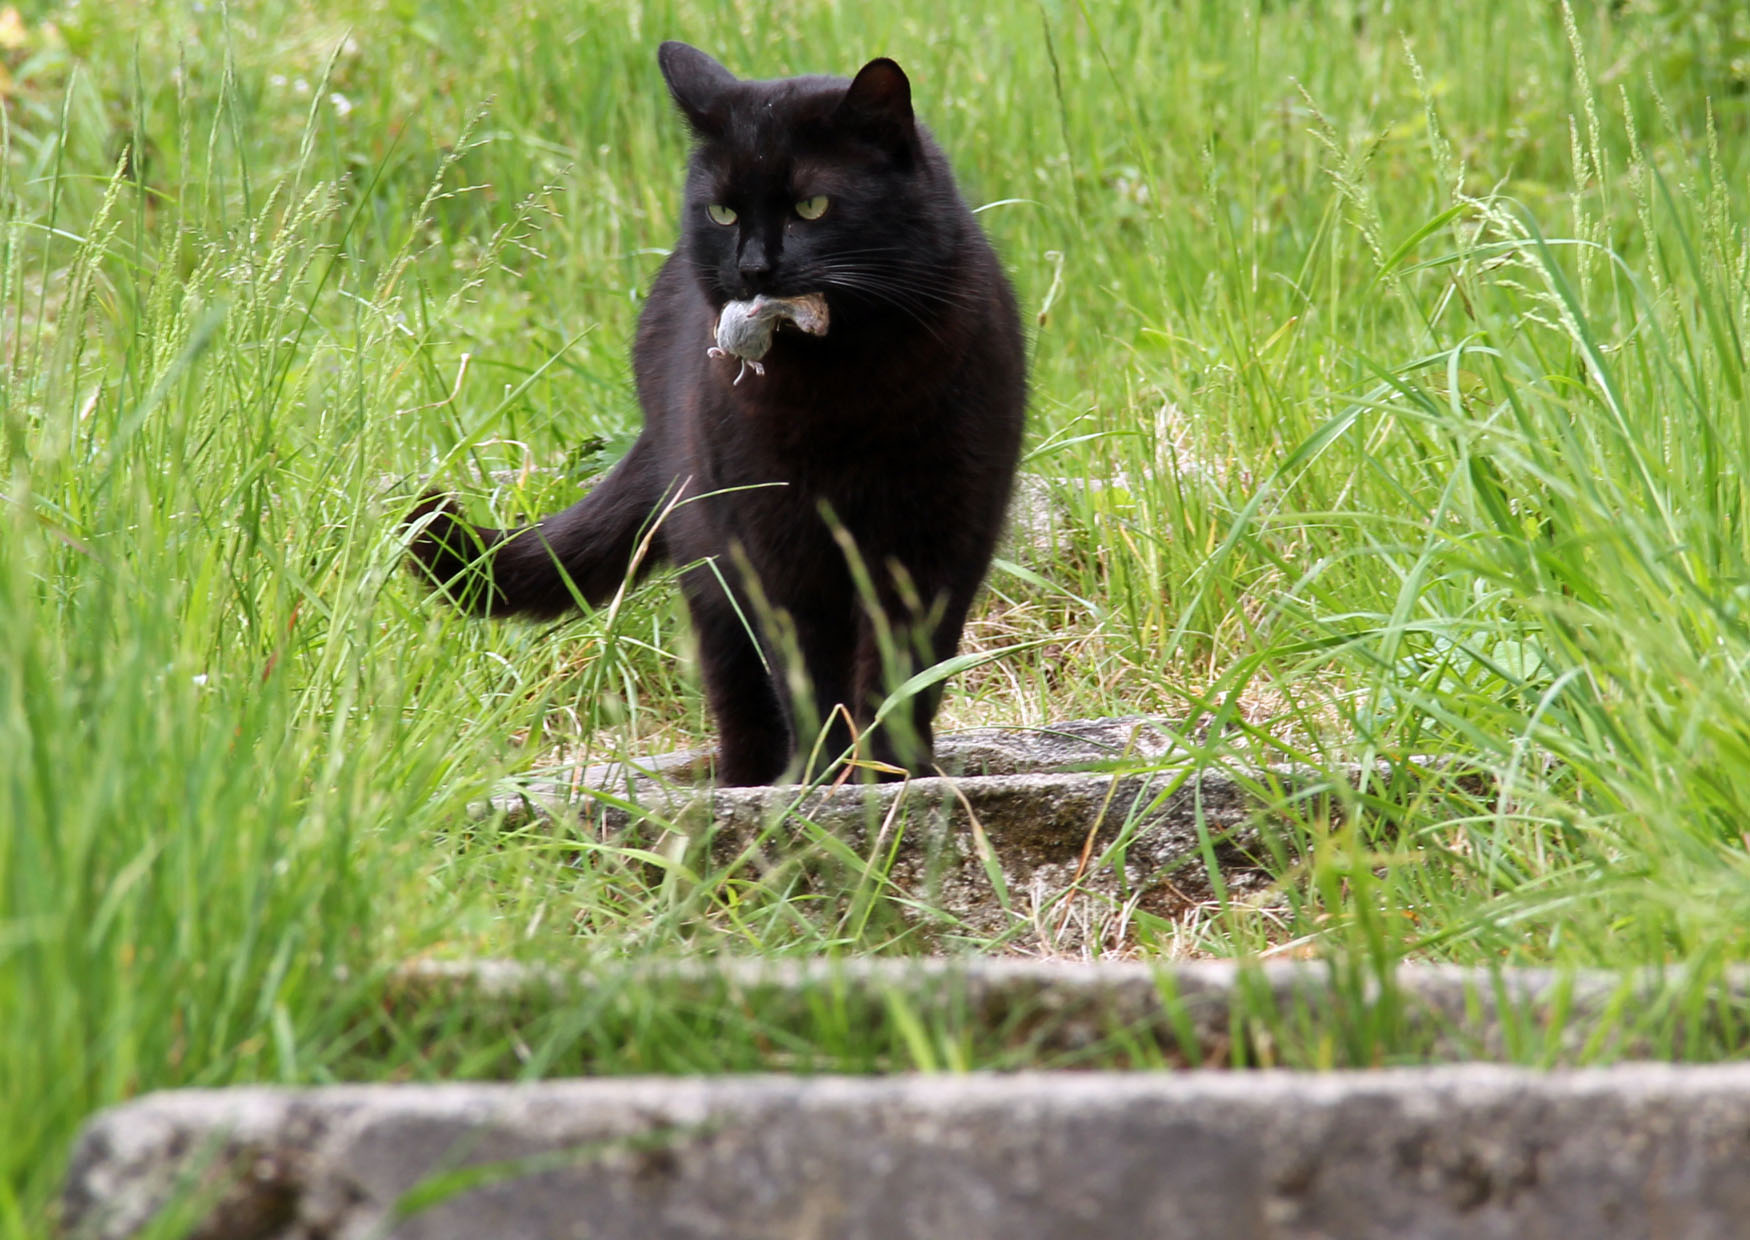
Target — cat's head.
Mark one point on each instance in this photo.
(813, 184)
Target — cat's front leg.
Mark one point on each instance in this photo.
(909, 640)
(753, 736)
(816, 643)
(903, 740)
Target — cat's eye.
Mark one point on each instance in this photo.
(721, 214)
(812, 208)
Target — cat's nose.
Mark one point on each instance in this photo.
(754, 265)
(755, 272)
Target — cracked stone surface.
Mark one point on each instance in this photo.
(1463, 1153)
(1067, 746)
(1187, 1008)
(1081, 823)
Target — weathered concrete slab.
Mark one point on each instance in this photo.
(1069, 745)
(1191, 1011)
(1077, 823)
(1467, 1153)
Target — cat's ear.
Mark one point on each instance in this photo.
(700, 86)
(878, 105)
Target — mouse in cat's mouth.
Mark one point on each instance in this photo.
(744, 328)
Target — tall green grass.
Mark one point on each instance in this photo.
(1406, 349)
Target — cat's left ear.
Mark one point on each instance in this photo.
(878, 105)
(700, 87)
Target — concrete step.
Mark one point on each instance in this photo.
(1054, 836)
(1191, 1010)
(1471, 1152)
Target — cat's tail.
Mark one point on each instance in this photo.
(582, 554)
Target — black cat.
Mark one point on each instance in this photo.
(895, 433)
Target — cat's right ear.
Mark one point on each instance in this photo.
(878, 105)
(700, 87)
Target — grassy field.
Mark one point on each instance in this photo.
(1407, 344)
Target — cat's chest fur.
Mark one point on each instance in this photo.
(868, 426)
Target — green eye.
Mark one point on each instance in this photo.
(721, 214)
(812, 208)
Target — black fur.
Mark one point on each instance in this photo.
(902, 424)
